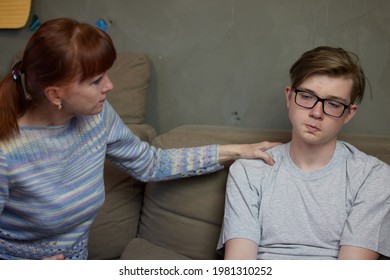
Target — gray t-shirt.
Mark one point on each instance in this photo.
(292, 214)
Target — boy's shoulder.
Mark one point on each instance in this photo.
(355, 154)
(362, 162)
(277, 153)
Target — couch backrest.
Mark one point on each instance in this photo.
(130, 75)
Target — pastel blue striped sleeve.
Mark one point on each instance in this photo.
(147, 163)
(4, 188)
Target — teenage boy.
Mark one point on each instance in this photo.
(323, 198)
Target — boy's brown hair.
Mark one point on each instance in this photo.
(335, 62)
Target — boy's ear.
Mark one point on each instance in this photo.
(351, 113)
(54, 95)
(288, 93)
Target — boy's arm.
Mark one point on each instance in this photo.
(356, 253)
(240, 249)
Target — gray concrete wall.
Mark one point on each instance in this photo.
(226, 62)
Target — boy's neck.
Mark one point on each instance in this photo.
(311, 157)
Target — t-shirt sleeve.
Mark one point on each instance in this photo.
(368, 222)
(241, 207)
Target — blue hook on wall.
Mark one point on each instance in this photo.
(35, 23)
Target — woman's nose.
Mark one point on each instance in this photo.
(108, 86)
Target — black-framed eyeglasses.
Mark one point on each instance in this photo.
(329, 107)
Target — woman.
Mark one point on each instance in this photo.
(56, 132)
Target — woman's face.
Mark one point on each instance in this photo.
(86, 97)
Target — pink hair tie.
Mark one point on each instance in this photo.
(16, 72)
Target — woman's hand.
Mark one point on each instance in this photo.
(56, 257)
(248, 151)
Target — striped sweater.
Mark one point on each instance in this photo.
(51, 180)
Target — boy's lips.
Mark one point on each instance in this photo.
(312, 128)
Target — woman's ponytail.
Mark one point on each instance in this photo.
(12, 102)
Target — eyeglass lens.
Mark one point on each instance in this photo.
(329, 107)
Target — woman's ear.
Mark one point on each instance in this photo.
(54, 95)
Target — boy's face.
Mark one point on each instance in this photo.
(313, 126)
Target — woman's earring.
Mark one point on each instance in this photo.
(59, 106)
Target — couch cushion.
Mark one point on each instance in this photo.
(144, 131)
(185, 215)
(130, 76)
(141, 249)
(117, 222)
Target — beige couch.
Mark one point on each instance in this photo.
(178, 219)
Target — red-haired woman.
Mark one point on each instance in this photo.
(56, 131)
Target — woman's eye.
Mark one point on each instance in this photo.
(97, 81)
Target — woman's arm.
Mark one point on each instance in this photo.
(56, 257)
(248, 151)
